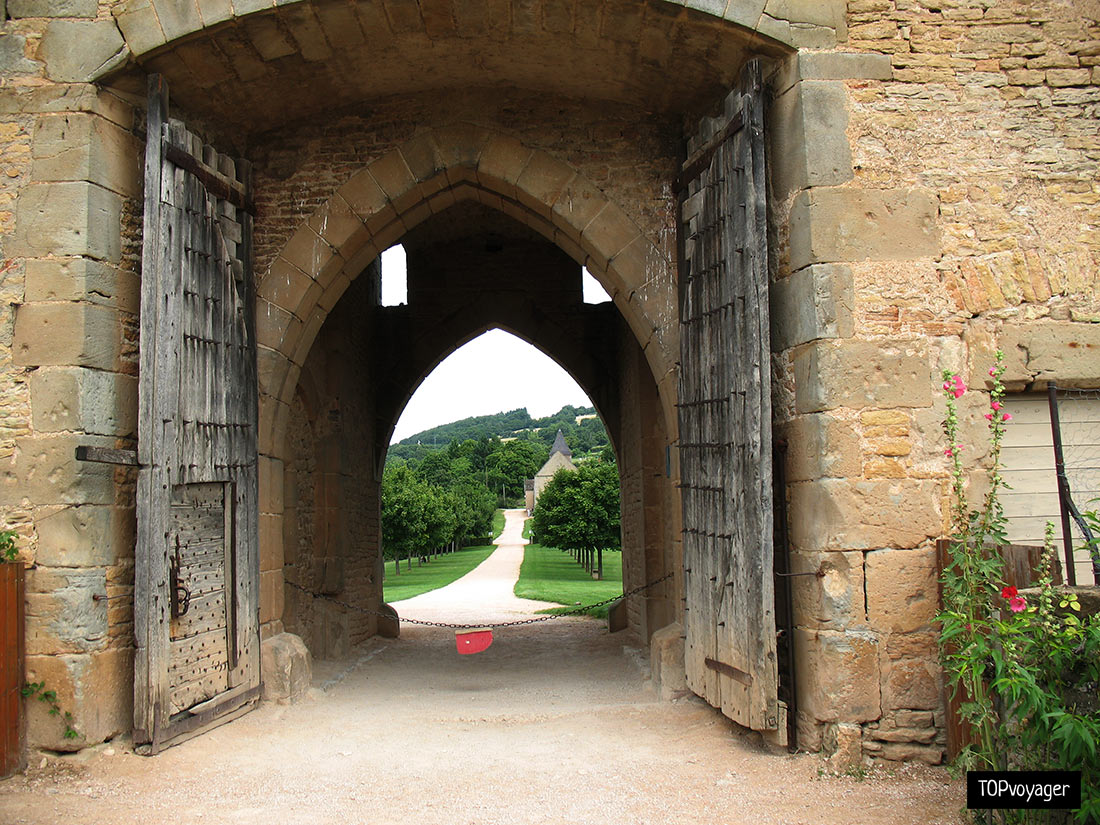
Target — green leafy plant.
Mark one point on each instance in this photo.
(1026, 665)
(38, 691)
(8, 551)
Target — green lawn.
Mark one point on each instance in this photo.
(498, 523)
(550, 575)
(437, 573)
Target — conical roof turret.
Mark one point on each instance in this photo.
(560, 446)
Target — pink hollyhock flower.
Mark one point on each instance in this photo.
(989, 416)
(1006, 417)
(993, 371)
(1017, 604)
(1008, 592)
(996, 405)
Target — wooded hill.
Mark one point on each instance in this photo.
(589, 436)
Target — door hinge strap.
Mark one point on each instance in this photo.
(106, 455)
(729, 670)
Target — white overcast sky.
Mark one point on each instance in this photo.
(471, 381)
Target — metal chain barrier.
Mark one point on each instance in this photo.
(573, 611)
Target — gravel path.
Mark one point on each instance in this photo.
(552, 724)
(485, 594)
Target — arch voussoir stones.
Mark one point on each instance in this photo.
(432, 171)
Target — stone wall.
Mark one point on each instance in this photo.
(934, 196)
(70, 212)
(954, 210)
(329, 526)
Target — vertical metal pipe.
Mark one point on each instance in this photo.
(1063, 484)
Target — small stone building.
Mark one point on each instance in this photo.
(803, 211)
(561, 458)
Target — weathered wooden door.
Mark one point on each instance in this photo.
(725, 416)
(196, 620)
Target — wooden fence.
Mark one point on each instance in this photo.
(11, 668)
(1021, 569)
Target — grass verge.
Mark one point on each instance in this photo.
(498, 523)
(550, 575)
(437, 573)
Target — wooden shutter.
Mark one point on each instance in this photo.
(725, 416)
(196, 601)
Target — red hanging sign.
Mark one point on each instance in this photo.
(474, 640)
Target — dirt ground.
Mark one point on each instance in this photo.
(554, 723)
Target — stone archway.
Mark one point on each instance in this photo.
(575, 224)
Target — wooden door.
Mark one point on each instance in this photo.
(725, 416)
(196, 601)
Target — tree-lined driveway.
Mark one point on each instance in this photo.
(485, 594)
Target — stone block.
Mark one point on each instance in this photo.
(809, 733)
(52, 8)
(542, 181)
(911, 752)
(271, 542)
(863, 224)
(813, 303)
(78, 51)
(97, 689)
(286, 668)
(45, 471)
(610, 232)
(86, 400)
(271, 595)
(843, 742)
(271, 473)
(67, 334)
(501, 164)
(911, 674)
(617, 618)
(85, 536)
(845, 66)
(833, 601)
(860, 374)
(828, 13)
(62, 616)
(331, 631)
(82, 279)
(863, 514)
(809, 142)
(338, 225)
(576, 206)
(666, 659)
(820, 446)
(285, 284)
(396, 180)
(306, 251)
(84, 147)
(13, 55)
(389, 625)
(838, 675)
(216, 11)
(1066, 352)
(139, 25)
(901, 589)
(60, 219)
(276, 328)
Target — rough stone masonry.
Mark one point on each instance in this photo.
(933, 196)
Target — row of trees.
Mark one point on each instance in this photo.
(578, 511)
(419, 517)
(434, 497)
